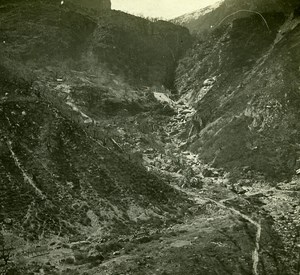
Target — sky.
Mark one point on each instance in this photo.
(166, 9)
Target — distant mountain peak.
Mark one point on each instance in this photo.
(196, 14)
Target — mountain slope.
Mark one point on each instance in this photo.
(55, 176)
(101, 172)
(191, 19)
(59, 169)
(244, 85)
(48, 36)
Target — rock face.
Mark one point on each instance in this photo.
(95, 5)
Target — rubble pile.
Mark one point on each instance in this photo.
(175, 162)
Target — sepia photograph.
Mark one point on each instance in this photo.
(149, 137)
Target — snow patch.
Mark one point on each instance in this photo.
(197, 14)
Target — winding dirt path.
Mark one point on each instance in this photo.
(255, 253)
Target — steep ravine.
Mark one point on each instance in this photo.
(257, 204)
(222, 232)
(100, 176)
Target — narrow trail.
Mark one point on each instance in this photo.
(255, 253)
(26, 177)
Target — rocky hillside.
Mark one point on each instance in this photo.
(65, 72)
(124, 150)
(58, 178)
(244, 81)
(61, 172)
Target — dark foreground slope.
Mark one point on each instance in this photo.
(244, 84)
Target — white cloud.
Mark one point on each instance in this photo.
(160, 8)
